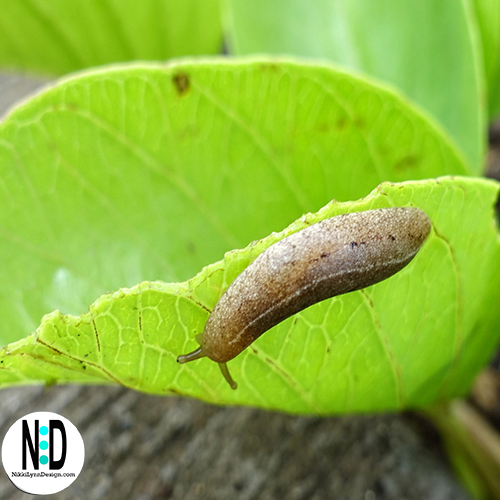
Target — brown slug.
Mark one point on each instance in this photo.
(332, 257)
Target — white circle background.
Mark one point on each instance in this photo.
(12, 456)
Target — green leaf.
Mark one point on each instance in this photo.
(426, 48)
(488, 18)
(151, 172)
(57, 36)
(414, 339)
(494, 101)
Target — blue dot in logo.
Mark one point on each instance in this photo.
(43, 430)
(44, 459)
(44, 445)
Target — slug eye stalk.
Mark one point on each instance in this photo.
(196, 354)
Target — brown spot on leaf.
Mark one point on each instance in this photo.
(181, 82)
(341, 123)
(190, 247)
(360, 123)
(269, 67)
(71, 106)
(409, 161)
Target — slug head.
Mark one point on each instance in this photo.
(199, 353)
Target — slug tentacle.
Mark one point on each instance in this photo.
(197, 354)
(227, 376)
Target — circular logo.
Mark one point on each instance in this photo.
(43, 453)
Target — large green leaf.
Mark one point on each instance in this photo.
(409, 341)
(488, 17)
(59, 36)
(494, 101)
(427, 48)
(151, 172)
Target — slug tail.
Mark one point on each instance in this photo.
(184, 358)
(227, 376)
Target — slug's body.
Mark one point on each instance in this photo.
(334, 256)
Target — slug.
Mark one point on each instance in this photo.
(332, 257)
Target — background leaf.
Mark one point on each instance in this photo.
(414, 339)
(488, 17)
(151, 172)
(495, 95)
(57, 36)
(427, 49)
